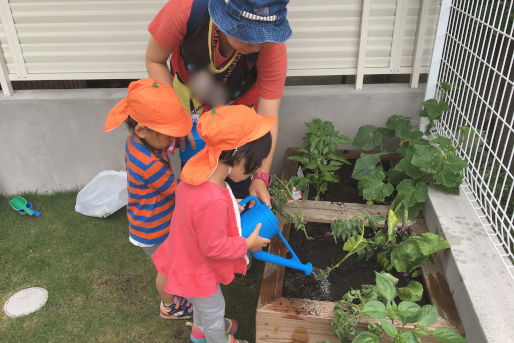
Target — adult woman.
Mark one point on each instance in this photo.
(241, 42)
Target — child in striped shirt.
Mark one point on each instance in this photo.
(154, 116)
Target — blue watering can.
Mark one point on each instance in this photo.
(260, 213)
(189, 152)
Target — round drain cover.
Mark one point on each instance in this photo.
(26, 301)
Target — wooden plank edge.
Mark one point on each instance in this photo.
(436, 285)
(273, 276)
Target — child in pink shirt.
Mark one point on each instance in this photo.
(205, 248)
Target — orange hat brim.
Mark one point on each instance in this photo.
(120, 112)
(117, 115)
(177, 129)
(201, 166)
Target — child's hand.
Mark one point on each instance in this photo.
(254, 242)
(241, 208)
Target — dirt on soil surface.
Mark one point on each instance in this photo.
(323, 252)
(345, 190)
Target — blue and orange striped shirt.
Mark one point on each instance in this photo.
(151, 193)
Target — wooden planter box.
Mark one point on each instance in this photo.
(281, 320)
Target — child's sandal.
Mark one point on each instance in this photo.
(231, 339)
(197, 335)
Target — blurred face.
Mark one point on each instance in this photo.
(154, 139)
(244, 48)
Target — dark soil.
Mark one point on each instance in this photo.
(323, 252)
(346, 190)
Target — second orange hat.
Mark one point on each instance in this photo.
(154, 105)
(223, 128)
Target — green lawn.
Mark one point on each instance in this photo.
(101, 288)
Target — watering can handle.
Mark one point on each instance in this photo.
(249, 198)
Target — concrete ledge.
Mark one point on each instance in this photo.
(480, 284)
(52, 139)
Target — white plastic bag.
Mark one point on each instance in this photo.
(103, 195)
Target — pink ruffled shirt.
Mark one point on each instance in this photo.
(204, 247)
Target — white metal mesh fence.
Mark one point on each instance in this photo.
(477, 60)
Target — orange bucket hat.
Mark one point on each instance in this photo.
(223, 128)
(154, 105)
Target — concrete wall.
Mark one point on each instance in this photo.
(52, 139)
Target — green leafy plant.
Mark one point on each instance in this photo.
(352, 231)
(363, 237)
(422, 162)
(379, 302)
(319, 159)
(282, 193)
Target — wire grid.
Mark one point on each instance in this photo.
(477, 61)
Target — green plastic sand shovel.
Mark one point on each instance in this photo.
(18, 203)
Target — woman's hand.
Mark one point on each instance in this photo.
(255, 242)
(191, 140)
(258, 188)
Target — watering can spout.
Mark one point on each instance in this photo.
(286, 262)
(260, 213)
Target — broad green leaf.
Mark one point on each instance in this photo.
(383, 259)
(365, 164)
(408, 337)
(407, 191)
(366, 337)
(373, 186)
(389, 328)
(385, 132)
(375, 309)
(445, 85)
(409, 312)
(447, 335)
(421, 192)
(350, 244)
(447, 177)
(390, 277)
(408, 168)
(407, 256)
(412, 292)
(415, 135)
(426, 156)
(434, 109)
(428, 315)
(395, 176)
(442, 141)
(385, 287)
(401, 124)
(367, 137)
(456, 164)
(430, 243)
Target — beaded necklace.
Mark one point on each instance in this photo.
(234, 59)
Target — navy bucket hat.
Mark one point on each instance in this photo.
(252, 21)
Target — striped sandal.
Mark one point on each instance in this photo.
(231, 339)
(197, 335)
(179, 309)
